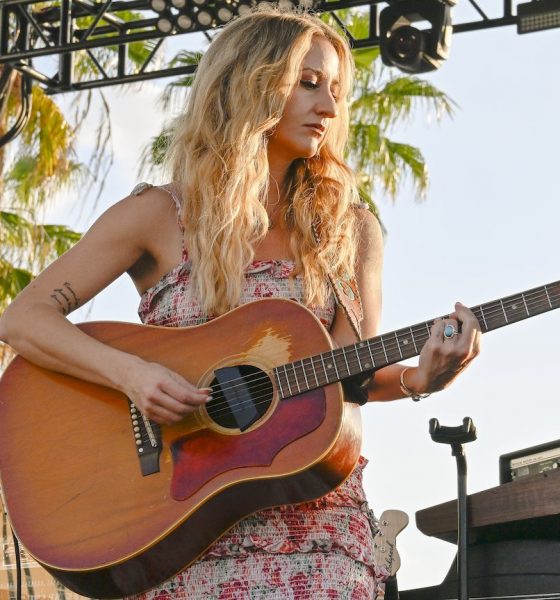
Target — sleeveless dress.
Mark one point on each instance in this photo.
(320, 550)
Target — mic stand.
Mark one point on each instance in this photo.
(456, 437)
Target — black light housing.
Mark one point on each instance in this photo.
(537, 16)
(409, 48)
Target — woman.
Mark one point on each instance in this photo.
(262, 204)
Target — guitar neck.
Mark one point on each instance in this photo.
(378, 352)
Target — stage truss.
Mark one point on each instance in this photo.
(34, 30)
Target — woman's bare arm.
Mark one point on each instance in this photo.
(35, 324)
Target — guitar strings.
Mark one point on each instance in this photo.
(388, 347)
(259, 381)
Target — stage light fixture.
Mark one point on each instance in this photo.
(409, 48)
(185, 22)
(158, 6)
(188, 15)
(538, 15)
(204, 17)
(225, 11)
(244, 7)
(165, 23)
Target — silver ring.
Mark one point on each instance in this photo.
(449, 331)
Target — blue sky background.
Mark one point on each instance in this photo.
(488, 227)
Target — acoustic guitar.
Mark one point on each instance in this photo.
(112, 504)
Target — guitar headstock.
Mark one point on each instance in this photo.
(391, 523)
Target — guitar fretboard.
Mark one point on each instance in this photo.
(372, 354)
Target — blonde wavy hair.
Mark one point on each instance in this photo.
(218, 157)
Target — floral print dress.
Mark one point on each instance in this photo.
(317, 550)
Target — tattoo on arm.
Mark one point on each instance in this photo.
(66, 298)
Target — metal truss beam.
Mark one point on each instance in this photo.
(34, 30)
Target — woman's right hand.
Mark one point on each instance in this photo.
(161, 394)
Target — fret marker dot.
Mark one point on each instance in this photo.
(367, 365)
(362, 344)
(329, 365)
(513, 306)
(405, 342)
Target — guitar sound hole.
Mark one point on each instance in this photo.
(241, 395)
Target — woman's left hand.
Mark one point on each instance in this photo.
(452, 345)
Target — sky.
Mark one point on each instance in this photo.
(489, 227)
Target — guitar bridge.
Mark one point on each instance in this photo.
(147, 437)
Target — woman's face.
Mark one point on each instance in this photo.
(310, 108)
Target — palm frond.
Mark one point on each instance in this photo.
(15, 230)
(364, 58)
(175, 91)
(12, 280)
(153, 154)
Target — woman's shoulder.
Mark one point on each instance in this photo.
(142, 218)
(147, 203)
(370, 234)
(151, 192)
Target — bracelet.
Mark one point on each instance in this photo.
(408, 392)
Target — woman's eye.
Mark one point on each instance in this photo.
(310, 85)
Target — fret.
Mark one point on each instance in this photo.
(413, 340)
(504, 311)
(334, 364)
(483, 318)
(361, 348)
(368, 344)
(315, 372)
(296, 377)
(324, 369)
(515, 309)
(407, 343)
(304, 374)
(358, 356)
(288, 380)
(547, 297)
(525, 304)
(398, 344)
(384, 349)
(279, 382)
(377, 349)
(346, 361)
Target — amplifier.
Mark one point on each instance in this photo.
(530, 461)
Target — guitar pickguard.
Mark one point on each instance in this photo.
(200, 457)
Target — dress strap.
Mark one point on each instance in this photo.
(172, 190)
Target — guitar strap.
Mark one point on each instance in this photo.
(347, 295)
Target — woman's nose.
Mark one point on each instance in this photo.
(327, 105)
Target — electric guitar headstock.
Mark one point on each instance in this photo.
(391, 523)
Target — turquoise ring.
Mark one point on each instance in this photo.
(449, 331)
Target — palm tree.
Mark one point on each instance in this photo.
(42, 161)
